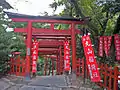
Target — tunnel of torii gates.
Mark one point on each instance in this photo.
(51, 42)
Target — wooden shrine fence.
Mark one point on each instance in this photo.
(17, 66)
(109, 75)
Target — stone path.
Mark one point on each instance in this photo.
(60, 82)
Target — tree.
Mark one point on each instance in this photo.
(9, 42)
(103, 15)
(103, 18)
(5, 41)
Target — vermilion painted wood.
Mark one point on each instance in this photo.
(52, 67)
(50, 43)
(28, 50)
(61, 59)
(47, 49)
(45, 32)
(53, 56)
(57, 65)
(108, 74)
(51, 37)
(12, 66)
(42, 32)
(18, 66)
(46, 65)
(49, 69)
(51, 32)
(73, 43)
(48, 53)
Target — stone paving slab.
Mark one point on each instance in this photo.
(3, 84)
(48, 80)
(60, 82)
(38, 88)
(13, 88)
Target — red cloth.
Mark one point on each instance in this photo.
(66, 56)
(90, 59)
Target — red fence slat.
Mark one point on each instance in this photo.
(109, 75)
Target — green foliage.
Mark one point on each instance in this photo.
(5, 37)
(18, 24)
(41, 25)
(105, 20)
(18, 44)
(102, 14)
(9, 42)
(61, 26)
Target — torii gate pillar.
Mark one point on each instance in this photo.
(28, 50)
(73, 42)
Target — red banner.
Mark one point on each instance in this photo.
(109, 43)
(117, 46)
(100, 51)
(66, 56)
(34, 56)
(90, 59)
(104, 45)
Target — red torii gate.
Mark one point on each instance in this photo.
(50, 33)
(53, 47)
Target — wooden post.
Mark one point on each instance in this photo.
(45, 67)
(105, 75)
(13, 63)
(61, 64)
(116, 72)
(49, 67)
(23, 67)
(28, 52)
(57, 65)
(73, 41)
(52, 67)
(18, 66)
(110, 78)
